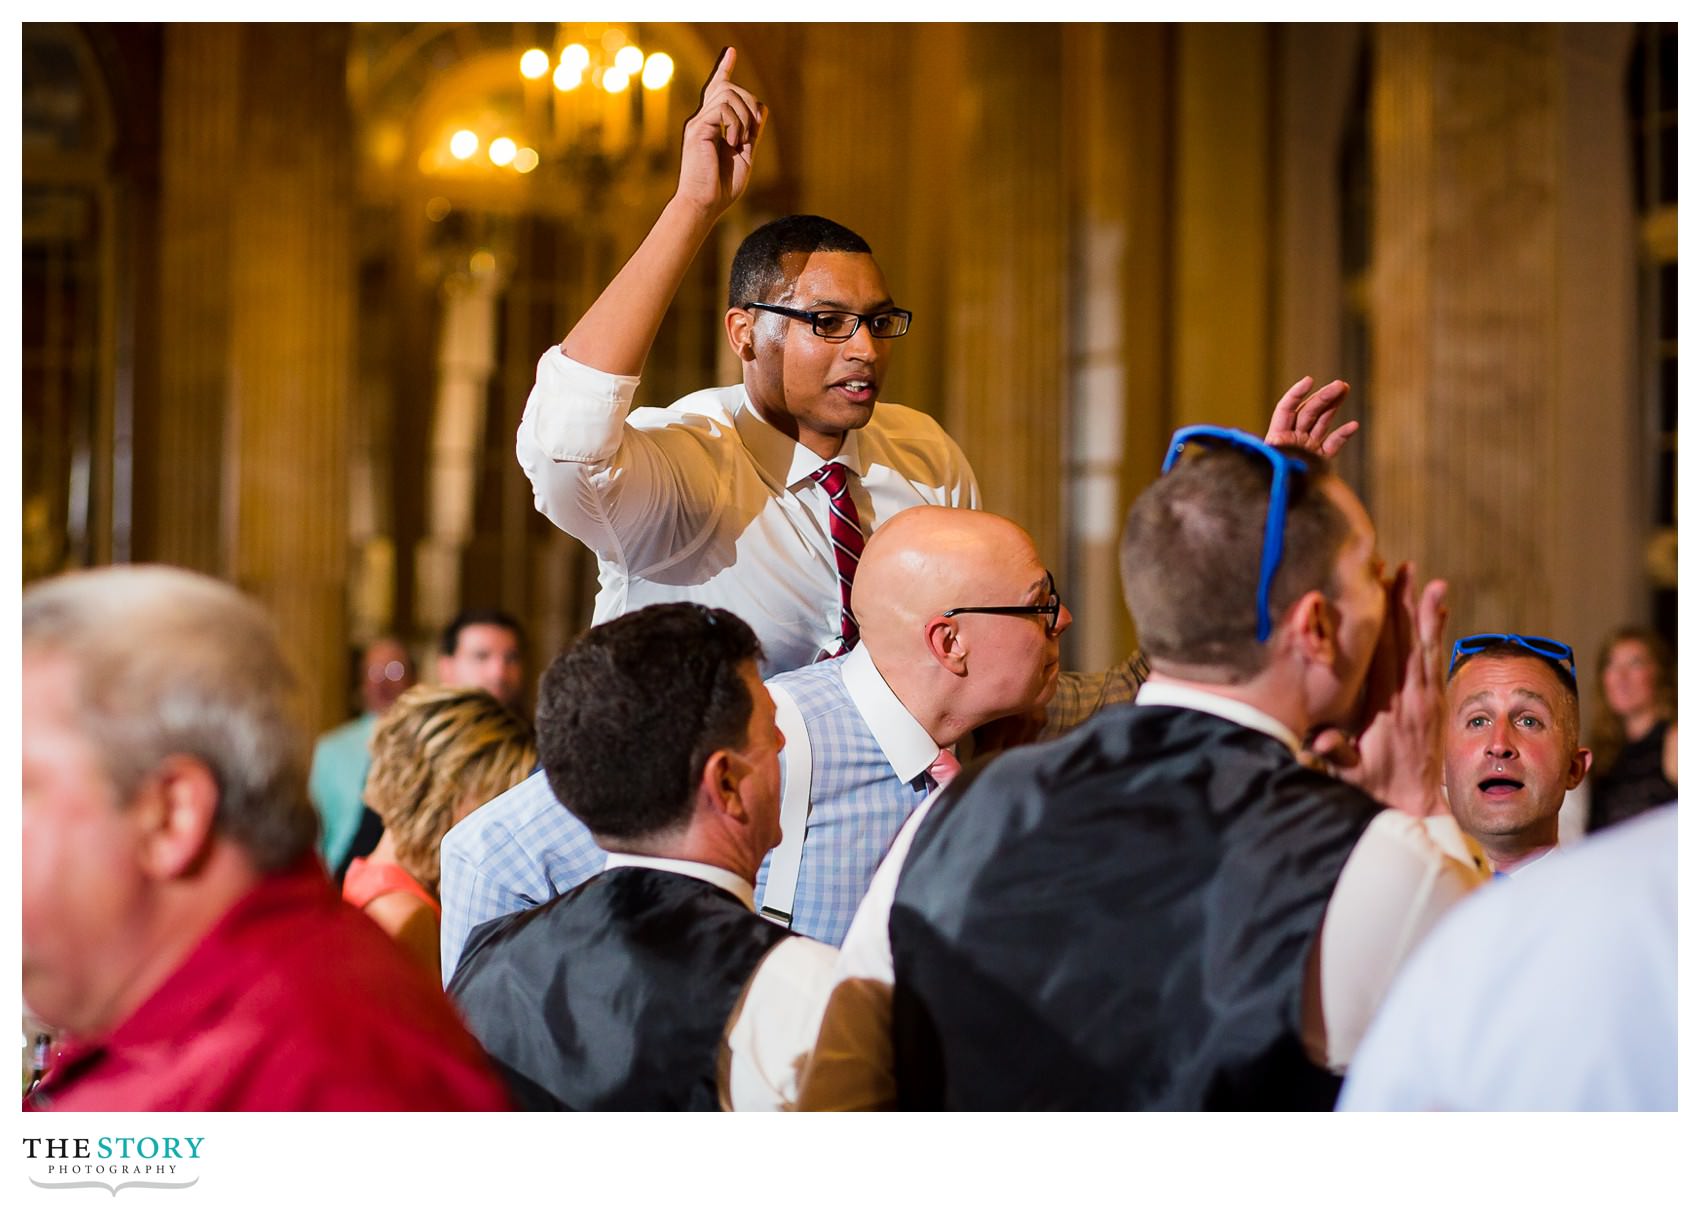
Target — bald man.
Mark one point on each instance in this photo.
(960, 623)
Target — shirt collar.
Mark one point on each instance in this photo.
(907, 746)
(784, 461)
(720, 878)
(1162, 694)
(1524, 865)
(197, 989)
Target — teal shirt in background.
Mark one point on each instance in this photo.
(336, 782)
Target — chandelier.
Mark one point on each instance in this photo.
(587, 106)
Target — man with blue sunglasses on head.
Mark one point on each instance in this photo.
(1167, 909)
(1512, 752)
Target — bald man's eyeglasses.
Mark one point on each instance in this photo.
(1050, 606)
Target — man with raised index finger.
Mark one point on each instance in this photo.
(758, 496)
(754, 497)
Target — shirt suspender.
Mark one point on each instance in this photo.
(781, 889)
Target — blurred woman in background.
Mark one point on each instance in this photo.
(1634, 739)
(438, 754)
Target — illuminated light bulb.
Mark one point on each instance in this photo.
(629, 60)
(568, 78)
(657, 71)
(482, 262)
(525, 159)
(502, 150)
(575, 58)
(534, 63)
(615, 81)
(613, 39)
(437, 209)
(463, 145)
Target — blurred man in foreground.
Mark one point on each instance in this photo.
(1554, 992)
(178, 931)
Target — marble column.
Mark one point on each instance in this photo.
(1502, 313)
(256, 299)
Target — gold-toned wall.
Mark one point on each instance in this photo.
(1104, 231)
(1503, 323)
(249, 477)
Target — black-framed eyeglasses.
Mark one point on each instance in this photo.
(841, 326)
(1050, 606)
(1540, 646)
(1275, 525)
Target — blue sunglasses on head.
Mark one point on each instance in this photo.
(1540, 646)
(1275, 526)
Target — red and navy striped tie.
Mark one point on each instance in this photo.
(846, 530)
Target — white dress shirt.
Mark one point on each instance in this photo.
(704, 501)
(1555, 991)
(1396, 883)
(773, 1027)
(906, 744)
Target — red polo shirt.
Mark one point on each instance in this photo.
(295, 1001)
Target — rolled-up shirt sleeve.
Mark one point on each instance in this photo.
(575, 413)
(633, 494)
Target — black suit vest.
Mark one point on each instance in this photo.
(613, 996)
(1119, 919)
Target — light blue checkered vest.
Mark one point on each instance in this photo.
(857, 805)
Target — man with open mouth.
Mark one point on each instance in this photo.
(1512, 749)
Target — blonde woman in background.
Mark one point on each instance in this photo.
(437, 755)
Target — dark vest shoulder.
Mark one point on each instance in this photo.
(1119, 919)
(613, 996)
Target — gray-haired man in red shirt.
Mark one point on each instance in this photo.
(178, 932)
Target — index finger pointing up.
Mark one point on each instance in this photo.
(722, 68)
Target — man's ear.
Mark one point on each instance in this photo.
(177, 804)
(945, 644)
(722, 777)
(1311, 627)
(445, 669)
(741, 333)
(1581, 763)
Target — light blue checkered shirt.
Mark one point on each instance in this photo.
(520, 850)
(859, 797)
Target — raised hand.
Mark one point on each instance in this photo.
(1398, 757)
(1301, 420)
(720, 141)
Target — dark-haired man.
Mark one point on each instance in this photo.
(1512, 752)
(484, 648)
(754, 497)
(654, 985)
(1165, 908)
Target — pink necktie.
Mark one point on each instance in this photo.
(846, 532)
(943, 769)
